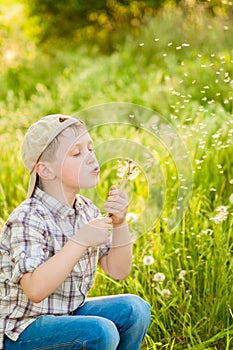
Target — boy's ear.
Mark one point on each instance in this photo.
(45, 171)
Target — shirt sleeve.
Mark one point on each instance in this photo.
(103, 250)
(28, 243)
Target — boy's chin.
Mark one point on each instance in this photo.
(92, 185)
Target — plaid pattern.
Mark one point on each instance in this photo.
(36, 230)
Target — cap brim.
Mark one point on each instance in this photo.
(32, 183)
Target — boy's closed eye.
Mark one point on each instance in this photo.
(78, 152)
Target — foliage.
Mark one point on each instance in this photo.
(101, 22)
(180, 65)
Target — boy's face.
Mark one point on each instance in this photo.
(76, 166)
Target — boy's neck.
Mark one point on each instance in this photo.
(66, 197)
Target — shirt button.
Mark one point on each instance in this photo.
(22, 255)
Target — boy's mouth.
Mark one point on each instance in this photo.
(96, 170)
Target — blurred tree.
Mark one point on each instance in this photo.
(101, 22)
(72, 21)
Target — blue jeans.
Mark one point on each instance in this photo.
(103, 323)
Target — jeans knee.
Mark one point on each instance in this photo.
(140, 309)
(108, 335)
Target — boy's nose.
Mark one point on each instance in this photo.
(91, 158)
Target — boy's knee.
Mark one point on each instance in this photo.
(108, 335)
(139, 308)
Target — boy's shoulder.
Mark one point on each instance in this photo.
(28, 207)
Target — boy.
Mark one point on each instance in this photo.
(50, 245)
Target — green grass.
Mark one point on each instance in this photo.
(190, 87)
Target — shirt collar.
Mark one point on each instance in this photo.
(56, 206)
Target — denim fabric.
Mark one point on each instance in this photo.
(104, 323)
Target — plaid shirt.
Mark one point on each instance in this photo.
(36, 230)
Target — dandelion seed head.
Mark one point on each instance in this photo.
(182, 274)
(166, 293)
(148, 260)
(129, 170)
(131, 217)
(159, 277)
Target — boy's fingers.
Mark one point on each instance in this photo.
(108, 220)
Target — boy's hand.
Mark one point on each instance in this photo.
(95, 233)
(117, 205)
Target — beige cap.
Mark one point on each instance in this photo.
(38, 137)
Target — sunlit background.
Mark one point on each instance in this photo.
(175, 58)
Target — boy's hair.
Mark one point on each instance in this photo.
(42, 138)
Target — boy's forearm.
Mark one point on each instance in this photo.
(118, 261)
(47, 277)
(120, 235)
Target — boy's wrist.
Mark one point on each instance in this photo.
(121, 236)
(122, 223)
(77, 242)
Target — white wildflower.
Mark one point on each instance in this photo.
(231, 198)
(221, 215)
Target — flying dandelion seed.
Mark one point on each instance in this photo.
(148, 260)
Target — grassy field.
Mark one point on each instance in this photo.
(175, 75)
